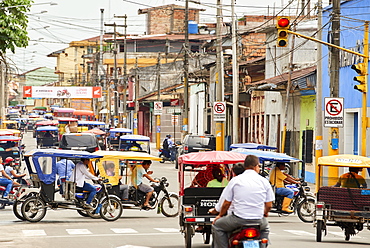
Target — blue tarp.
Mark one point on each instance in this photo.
(268, 155)
(252, 146)
(61, 153)
(47, 128)
(120, 130)
(134, 138)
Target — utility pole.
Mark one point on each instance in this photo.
(235, 77)
(319, 123)
(124, 115)
(220, 126)
(186, 72)
(136, 99)
(364, 121)
(158, 133)
(115, 76)
(334, 86)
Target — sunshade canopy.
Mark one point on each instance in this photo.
(252, 146)
(267, 155)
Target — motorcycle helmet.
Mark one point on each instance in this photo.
(9, 159)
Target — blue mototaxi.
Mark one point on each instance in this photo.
(252, 146)
(134, 143)
(41, 164)
(113, 137)
(47, 136)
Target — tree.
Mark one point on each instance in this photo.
(13, 24)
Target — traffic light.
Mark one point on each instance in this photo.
(282, 25)
(362, 71)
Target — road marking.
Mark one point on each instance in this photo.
(167, 230)
(123, 230)
(132, 246)
(78, 231)
(30, 233)
(300, 233)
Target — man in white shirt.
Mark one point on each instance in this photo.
(78, 176)
(247, 208)
(141, 172)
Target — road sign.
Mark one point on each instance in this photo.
(158, 107)
(333, 116)
(175, 120)
(219, 111)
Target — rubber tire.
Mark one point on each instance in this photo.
(165, 204)
(18, 212)
(305, 218)
(319, 226)
(26, 209)
(188, 236)
(207, 237)
(116, 204)
(83, 213)
(162, 161)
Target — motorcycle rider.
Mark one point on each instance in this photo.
(141, 172)
(248, 208)
(277, 178)
(167, 147)
(5, 180)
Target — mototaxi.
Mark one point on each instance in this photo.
(119, 168)
(11, 147)
(83, 126)
(134, 142)
(303, 202)
(10, 125)
(47, 137)
(196, 201)
(113, 137)
(347, 208)
(41, 165)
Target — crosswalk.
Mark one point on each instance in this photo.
(41, 232)
(155, 231)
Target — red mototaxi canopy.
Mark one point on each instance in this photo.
(212, 157)
(204, 158)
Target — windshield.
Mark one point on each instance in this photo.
(78, 141)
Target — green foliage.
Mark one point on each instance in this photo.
(13, 24)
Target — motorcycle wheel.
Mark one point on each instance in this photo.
(207, 236)
(33, 209)
(111, 209)
(83, 213)
(188, 235)
(319, 227)
(166, 208)
(306, 210)
(17, 209)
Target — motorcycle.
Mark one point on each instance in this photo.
(168, 205)
(303, 202)
(165, 154)
(63, 92)
(249, 235)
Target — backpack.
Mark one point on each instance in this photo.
(165, 144)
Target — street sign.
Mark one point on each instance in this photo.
(158, 107)
(175, 120)
(219, 111)
(333, 116)
(175, 102)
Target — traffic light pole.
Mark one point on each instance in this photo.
(364, 93)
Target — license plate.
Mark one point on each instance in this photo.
(251, 244)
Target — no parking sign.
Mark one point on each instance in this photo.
(333, 112)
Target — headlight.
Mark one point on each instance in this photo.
(307, 188)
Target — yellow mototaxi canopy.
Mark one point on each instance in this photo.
(109, 165)
(127, 155)
(345, 160)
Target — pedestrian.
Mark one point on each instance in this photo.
(247, 208)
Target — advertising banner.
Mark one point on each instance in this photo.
(62, 92)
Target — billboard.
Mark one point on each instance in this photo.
(61, 92)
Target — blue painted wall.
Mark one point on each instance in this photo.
(352, 32)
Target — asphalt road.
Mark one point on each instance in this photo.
(147, 229)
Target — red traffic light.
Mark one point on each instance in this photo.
(283, 22)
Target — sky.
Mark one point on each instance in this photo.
(53, 27)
